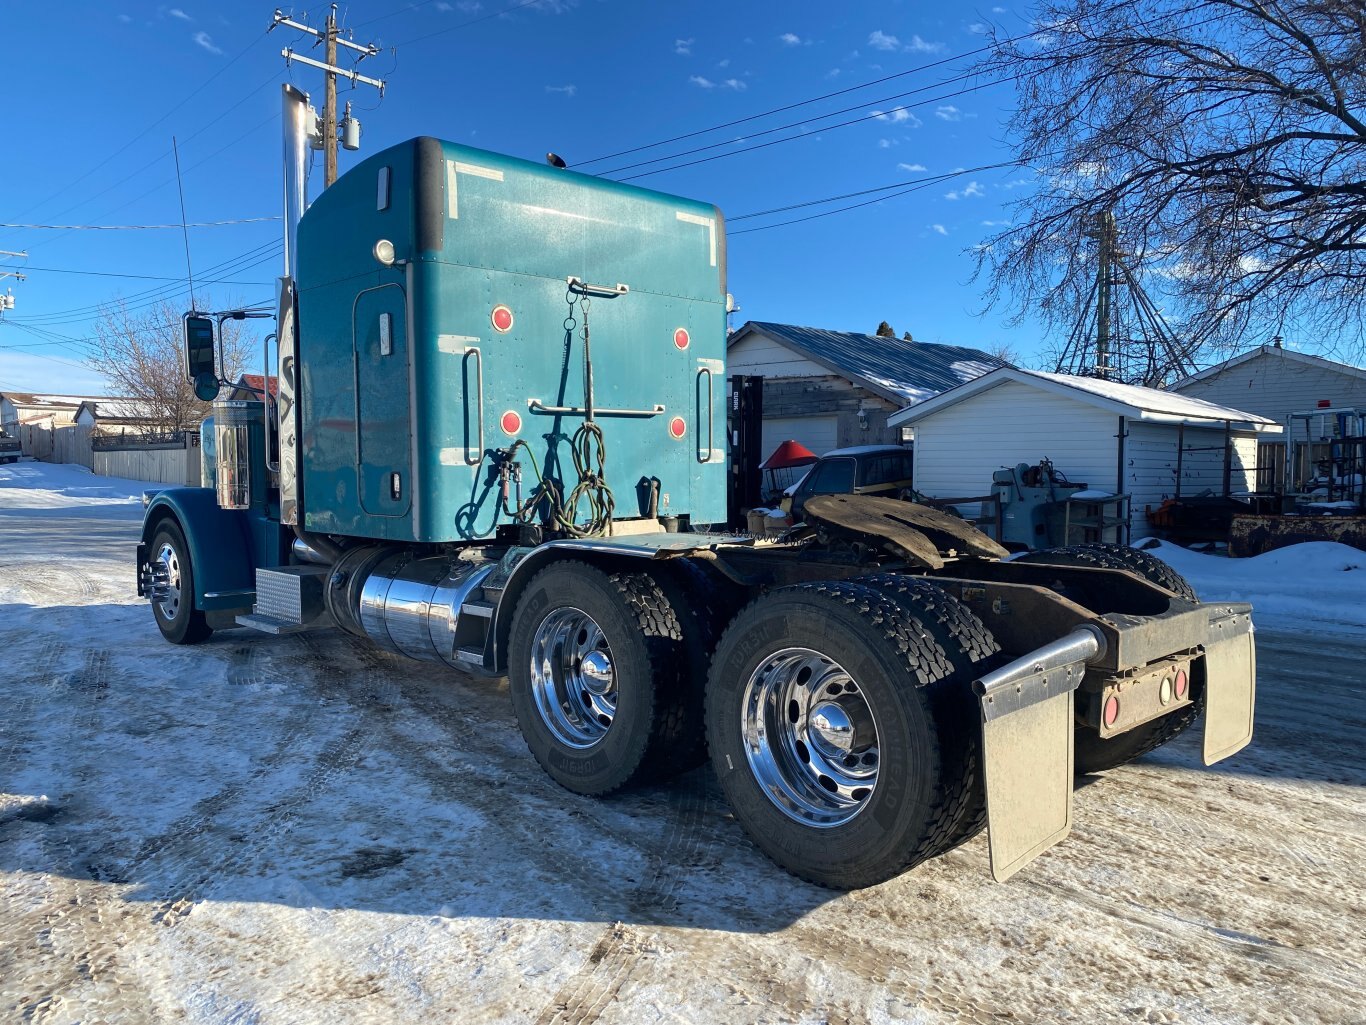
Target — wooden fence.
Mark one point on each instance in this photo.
(162, 462)
(56, 443)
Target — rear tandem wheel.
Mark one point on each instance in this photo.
(827, 726)
(596, 673)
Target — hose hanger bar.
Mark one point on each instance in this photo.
(581, 287)
(537, 406)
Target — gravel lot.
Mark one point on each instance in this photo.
(304, 830)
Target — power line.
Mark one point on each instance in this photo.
(932, 180)
(805, 121)
(779, 110)
(260, 254)
(854, 206)
(137, 227)
(824, 128)
(143, 277)
(207, 82)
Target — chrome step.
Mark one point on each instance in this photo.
(471, 656)
(481, 609)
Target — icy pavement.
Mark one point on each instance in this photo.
(302, 830)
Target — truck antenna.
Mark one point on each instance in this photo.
(184, 228)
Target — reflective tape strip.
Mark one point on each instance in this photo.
(707, 222)
(454, 168)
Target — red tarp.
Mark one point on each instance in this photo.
(789, 453)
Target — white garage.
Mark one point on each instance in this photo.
(1116, 438)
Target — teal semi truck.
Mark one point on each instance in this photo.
(498, 445)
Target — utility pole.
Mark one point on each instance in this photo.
(331, 36)
(1105, 235)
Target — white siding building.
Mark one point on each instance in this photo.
(1116, 438)
(1275, 382)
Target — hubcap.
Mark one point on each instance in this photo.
(167, 571)
(810, 737)
(572, 678)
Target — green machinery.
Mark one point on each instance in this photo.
(492, 437)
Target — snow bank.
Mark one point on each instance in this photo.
(1316, 582)
(34, 485)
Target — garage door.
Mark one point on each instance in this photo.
(818, 433)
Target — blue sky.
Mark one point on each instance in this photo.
(97, 90)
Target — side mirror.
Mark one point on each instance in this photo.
(201, 356)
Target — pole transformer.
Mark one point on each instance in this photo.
(331, 37)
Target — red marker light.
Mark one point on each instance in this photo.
(1181, 683)
(1111, 713)
(511, 422)
(678, 427)
(682, 338)
(502, 319)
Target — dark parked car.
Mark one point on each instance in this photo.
(9, 448)
(864, 470)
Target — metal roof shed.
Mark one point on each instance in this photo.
(1116, 437)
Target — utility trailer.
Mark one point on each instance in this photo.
(497, 446)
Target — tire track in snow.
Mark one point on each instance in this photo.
(79, 939)
(618, 953)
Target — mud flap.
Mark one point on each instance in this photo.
(1027, 732)
(1230, 681)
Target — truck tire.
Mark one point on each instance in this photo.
(1092, 753)
(596, 675)
(825, 730)
(973, 651)
(176, 616)
(1108, 556)
(703, 606)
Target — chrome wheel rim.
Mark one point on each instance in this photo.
(573, 678)
(810, 737)
(170, 588)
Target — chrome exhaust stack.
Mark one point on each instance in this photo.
(295, 120)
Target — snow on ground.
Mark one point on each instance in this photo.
(303, 830)
(1319, 582)
(60, 486)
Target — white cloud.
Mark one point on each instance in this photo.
(568, 90)
(206, 41)
(885, 144)
(978, 28)
(443, 7)
(469, 6)
(703, 83)
(683, 47)
(911, 167)
(948, 112)
(939, 228)
(125, 19)
(736, 84)
(994, 224)
(880, 40)
(998, 10)
(973, 190)
(790, 39)
(833, 73)
(900, 116)
(176, 12)
(723, 64)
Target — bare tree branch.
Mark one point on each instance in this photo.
(1228, 137)
(140, 354)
